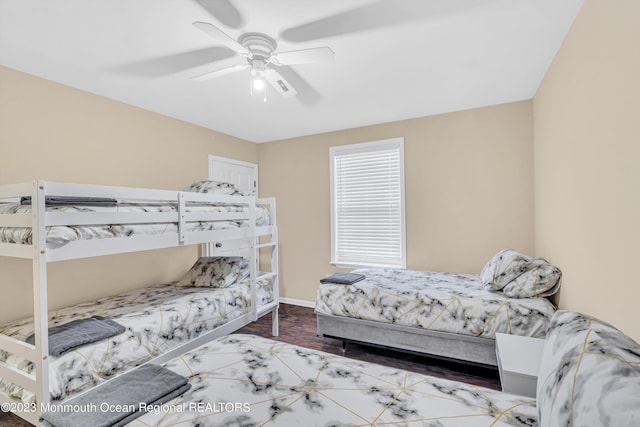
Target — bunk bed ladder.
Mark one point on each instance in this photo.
(273, 274)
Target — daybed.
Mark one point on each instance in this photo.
(46, 222)
(442, 314)
(589, 376)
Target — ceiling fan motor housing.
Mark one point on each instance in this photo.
(260, 46)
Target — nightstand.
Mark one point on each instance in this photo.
(518, 362)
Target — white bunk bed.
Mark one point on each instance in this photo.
(181, 225)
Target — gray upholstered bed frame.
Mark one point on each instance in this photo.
(441, 344)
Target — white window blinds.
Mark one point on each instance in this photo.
(367, 201)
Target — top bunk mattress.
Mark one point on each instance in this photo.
(446, 302)
(58, 236)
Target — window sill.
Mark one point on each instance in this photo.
(364, 265)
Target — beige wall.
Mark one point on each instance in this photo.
(469, 191)
(53, 132)
(470, 179)
(587, 163)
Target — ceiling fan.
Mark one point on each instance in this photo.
(260, 51)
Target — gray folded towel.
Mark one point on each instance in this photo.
(66, 337)
(72, 201)
(144, 386)
(164, 399)
(343, 278)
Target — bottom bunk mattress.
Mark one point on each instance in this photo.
(245, 380)
(157, 319)
(446, 302)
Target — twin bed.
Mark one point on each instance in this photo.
(442, 314)
(47, 222)
(156, 319)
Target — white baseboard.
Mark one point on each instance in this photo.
(300, 302)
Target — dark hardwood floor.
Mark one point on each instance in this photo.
(298, 326)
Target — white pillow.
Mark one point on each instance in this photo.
(541, 279)
(212, 187)
(213, 272)
(505, 266)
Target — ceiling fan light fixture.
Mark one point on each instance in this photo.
(258, 84)
(257, 79)
(258, 71)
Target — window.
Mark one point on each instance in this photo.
(367, 204)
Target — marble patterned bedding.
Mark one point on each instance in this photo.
(156, 319)
(244, 380)
(589, 374)
(60, 235)
(447, 302)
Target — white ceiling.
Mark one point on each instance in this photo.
(394, 59)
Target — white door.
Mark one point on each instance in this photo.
(245, 176)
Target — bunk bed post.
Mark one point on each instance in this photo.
(40, 303)
(253, 249)
(275, 331)
(182, 208)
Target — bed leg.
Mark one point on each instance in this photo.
(344, 346)
(275, 330)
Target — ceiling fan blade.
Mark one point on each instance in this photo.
(281, 86)
(307, 95)
(177, 62)
(221, 36)
(219, 72)
(303, 56)
(376, 15)
(223, 11)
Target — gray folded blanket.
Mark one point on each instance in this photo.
(66, 337)
(73, 201)
(130, 394)
(343, 278)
